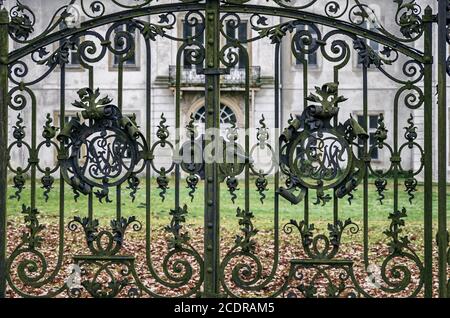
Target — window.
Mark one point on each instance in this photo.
(371, 129)
(374, 45)
(188, 32)
(132, 60)
(239, 33)
(311, 59)
(227, 115)
(74, 57)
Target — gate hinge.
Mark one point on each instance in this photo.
(214, 71)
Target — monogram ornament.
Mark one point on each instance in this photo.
(318, 155)
(103, 147)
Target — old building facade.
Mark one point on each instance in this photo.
(298, 76)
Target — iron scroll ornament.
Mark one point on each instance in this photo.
(318, 154)
(103, 148)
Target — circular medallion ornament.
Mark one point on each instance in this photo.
(316, 154)
(102, 147)
(320, 159)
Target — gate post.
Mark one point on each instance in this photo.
(428, 147)
(212, 186)
(442, 237)
(4, 50)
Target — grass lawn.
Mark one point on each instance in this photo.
(264, 213)
(290, 246)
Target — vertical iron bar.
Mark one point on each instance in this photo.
(212, 187)
(62, 152)
(428, 147)
(148, 166)
(4, 50)
(366, 177)
(33, 155)
(120, 105)
(278, 116)
(442, 145)
(335, 123)
(90, 196)
(305, 104)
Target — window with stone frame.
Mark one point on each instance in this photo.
(372, 125)
(188, 32)
(241, 34)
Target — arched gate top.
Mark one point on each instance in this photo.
(410, 19)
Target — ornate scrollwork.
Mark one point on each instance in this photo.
(408, 18)
(19, 179)
(323, 276)
(179, 238)
(192, 182)
(317, 155)
(133, 185)
(48, 133)
(104, 243)
(411, 135)
(108, 278)
(244, 274)
(367, 55)
(193, 168)
(163, 183)
(32, 238)
(109, 140)
(261, 183)
(19, 130)
(328, 148)
(162, 134)
(410, 188)
(22, 22)
(262, 136)
(380, 138)
(231, 164)
(47, 181)
(399, 247)
(410, 131)
(321, 246)
(380, 184)
(246, 241)
(27, 263)
(151, 30)
(315, 279)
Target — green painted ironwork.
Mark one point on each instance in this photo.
(321, 159)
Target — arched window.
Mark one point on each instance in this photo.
(227, 116)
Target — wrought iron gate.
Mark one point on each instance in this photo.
(320, 157)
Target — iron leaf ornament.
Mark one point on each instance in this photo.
(104, 242)
(408, 18)
(22, 22)
(103, 147)
(318, 155)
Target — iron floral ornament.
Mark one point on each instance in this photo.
(317, 153)
(103, 148)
